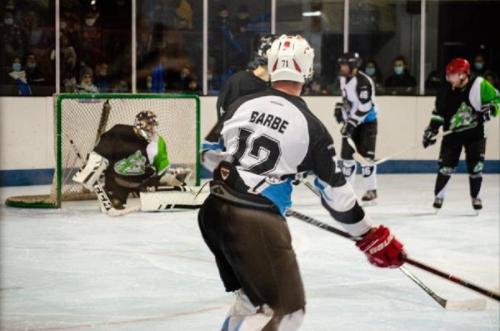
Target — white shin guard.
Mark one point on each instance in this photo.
(244, 316)
(349, 171)
(370, 177)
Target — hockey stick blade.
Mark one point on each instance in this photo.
(475, 304)
(458, 305)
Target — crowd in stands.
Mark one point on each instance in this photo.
(95, 50)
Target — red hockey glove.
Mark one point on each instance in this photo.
(382, 248)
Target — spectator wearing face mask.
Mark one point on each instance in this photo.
(372, 70)
(19, 76)
(400, 81)
(478, 66)
(33, 73)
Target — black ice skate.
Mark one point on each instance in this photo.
(477, 204)
(369, 198)
(438, 203)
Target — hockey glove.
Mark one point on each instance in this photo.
(381, 248)
(338, 112)
(486, 111)
(429, 137)
(348, 129)
(176, 176)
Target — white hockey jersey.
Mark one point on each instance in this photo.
(273, 138)
(358, 95)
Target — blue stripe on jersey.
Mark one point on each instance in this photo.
(225, 326)
(211, 146)
(280, 194)
(372, 116)
(321, 185)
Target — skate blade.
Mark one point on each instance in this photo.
(369, 203)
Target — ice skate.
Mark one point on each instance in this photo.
(369, 198)
(438, 203)
(477, 204)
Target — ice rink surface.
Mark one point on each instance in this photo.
(77, 269)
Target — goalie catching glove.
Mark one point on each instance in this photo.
(175, 176)
(381, 248)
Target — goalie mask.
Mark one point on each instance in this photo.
(146, 124)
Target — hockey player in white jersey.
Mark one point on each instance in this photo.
(263, 142)
(358, 115)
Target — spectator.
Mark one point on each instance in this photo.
(478, 66)
(69, 82)
(372, 70)
(433, 82)
(400, 82)
(68, 56)
(184, 14)
(102, 80)
(19, 76)
(33, 74)
(86, 85)
(11, 38)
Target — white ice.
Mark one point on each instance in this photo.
(76, 269)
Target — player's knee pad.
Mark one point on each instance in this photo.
(89, 175)
(476, 169)
(349, 168)
(446, 171)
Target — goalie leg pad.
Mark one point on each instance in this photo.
(89, 175)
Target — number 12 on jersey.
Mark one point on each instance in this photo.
(260, 154)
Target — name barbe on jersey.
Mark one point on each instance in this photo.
(271, 121)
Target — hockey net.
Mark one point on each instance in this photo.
(81, 119)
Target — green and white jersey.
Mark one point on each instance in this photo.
(131, 156)
(457, 109)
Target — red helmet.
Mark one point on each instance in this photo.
(458, 65)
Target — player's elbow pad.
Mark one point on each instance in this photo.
(89, 175)
(342, 204)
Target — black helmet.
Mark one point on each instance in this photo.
(352, 59)
(265, 43)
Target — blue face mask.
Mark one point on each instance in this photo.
(398, 70)
(370, 71)
(16, 66)
(478, 65)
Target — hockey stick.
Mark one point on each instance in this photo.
(366, 162)
(474, 304)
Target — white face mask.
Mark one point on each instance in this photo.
(90, 21)
(9, 21)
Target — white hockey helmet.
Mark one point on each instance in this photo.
(290, 58)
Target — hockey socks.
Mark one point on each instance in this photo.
(349, 170)
(442, 179)
(475, 185)
(370, 178)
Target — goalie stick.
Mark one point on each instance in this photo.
(473, 304)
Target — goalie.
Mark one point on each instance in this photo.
(132, 158)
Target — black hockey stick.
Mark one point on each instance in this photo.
(474, 304)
